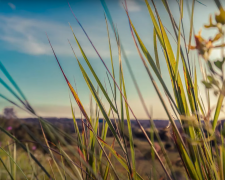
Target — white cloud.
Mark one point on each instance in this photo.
(132, 5)
(28, 36)
(12, 6)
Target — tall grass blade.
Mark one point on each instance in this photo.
(98, 101)
(12, 80)
(14, 157)
(11, 158)
(155, 50)
(6, 169)
(82, 109)
(191, 23)
(32, 165)
(178, 42)
(24, 148)
(94, 74)
(218, 107)
(110, 50)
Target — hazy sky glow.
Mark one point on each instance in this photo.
(26, 54)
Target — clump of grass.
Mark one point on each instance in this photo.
(93, 157)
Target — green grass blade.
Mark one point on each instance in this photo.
(32, 166)
(170, 59)
(104, 133)
(11, 80)
(14, 162)
(181, 143)
(154, 21)
(76, 128)
(93, 91)
(178, 42)
(98, 101)
(24, 148)
(75, 167)
(218, 108)
(14, 157)
(155, 50)
(11, 177)
(191, 23)
(94, 74)
(154, 67)
(110, 50)
(129, 127)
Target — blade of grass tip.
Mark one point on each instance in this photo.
(174, 28)
(109, 16)
(93, 72)
(118, 116)
(121, 98)
(132, 173)
(14, 162)
(191, 22)
(130, 134)
(154, 84)
(6, 169)
(92, 89)
(187, 72)
(154, 67)
(135, 83)
(116, 84)
(178, 43)
(155, 23)
(181, 143)
(71, 88)
(122, 86)
(104, 63)
(142, 98)
(145, 108)
(110, 49)
(81, 106)
(168, 51)
(113, 80)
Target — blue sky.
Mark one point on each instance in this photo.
(26, 54)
